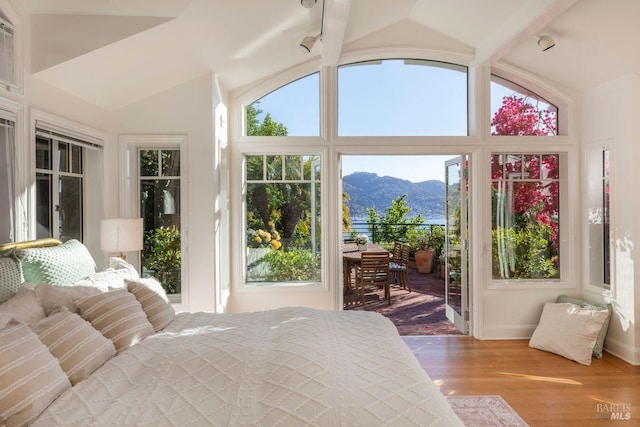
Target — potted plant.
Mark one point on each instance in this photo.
(424, 250)
(361, 240)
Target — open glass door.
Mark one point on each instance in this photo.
(456, 242)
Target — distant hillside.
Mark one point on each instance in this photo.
(370, 190)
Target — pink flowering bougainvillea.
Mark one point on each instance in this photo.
(527, 246)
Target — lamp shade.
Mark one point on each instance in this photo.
(121, 235)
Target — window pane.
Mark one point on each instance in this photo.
(599, 221)
(274, 168)
(255, 168)
(160, 209)
(43, 153)
(606, 222)
(170, 163)
(76, 158)
(70, 213)
(550, 164)
(293, 168)
(148, 162)
(43, 206)
(7, 72)
(63, 157)
(283, 223)
(531, 166)
(525, 223)
(402, 97)
(293, 109)
(518, 111)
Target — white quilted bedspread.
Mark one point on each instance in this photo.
(284, 367)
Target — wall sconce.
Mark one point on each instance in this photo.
(121, 235)
(308, 4)
(546, 42)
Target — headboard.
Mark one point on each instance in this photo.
(39, 243)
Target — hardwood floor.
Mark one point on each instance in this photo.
(545, 389)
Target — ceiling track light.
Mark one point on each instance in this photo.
(307, 43)
(546, 43)
(308, 4)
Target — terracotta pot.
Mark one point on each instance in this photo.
(424, 260)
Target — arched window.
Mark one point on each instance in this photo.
(291, 110)
(402, 97)
(516, 110)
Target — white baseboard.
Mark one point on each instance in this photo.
(623, 351)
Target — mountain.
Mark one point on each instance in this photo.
(368, 190)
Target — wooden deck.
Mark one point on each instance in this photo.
(545, 389)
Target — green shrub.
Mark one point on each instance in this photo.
(295, 265)
(163, 258)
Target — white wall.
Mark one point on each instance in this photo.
(611, 112)
(186, 109)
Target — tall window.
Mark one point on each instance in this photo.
(525, 216)
(59, 187)
(516, 110)
(599, 219)
(7, 40)
(282, 218)
(159, 186)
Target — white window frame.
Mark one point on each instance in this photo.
(56, 175)
(88, 138)
(255, 285)
(129, 195)
(597, 148)
(14, 112)
(239, 233)
(567, 229)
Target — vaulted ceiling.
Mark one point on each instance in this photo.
(118, 52)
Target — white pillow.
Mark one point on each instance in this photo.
(105, 280)
(52, 297)
(153, 299)
(118, 263)
(568, 330)
(24, 307)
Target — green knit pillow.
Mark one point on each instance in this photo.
(56, 265)
(10, 276)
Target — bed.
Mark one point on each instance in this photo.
(289, 366)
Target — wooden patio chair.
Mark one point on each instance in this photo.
(399, 266)
(373, 271)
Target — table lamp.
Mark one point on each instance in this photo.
(121, 235)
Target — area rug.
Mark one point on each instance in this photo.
(485, 411)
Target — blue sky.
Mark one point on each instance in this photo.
(384, 98)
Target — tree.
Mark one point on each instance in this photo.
(346, 220)
(518, 116)
(394, 226)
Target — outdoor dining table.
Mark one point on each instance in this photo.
(351, 256)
